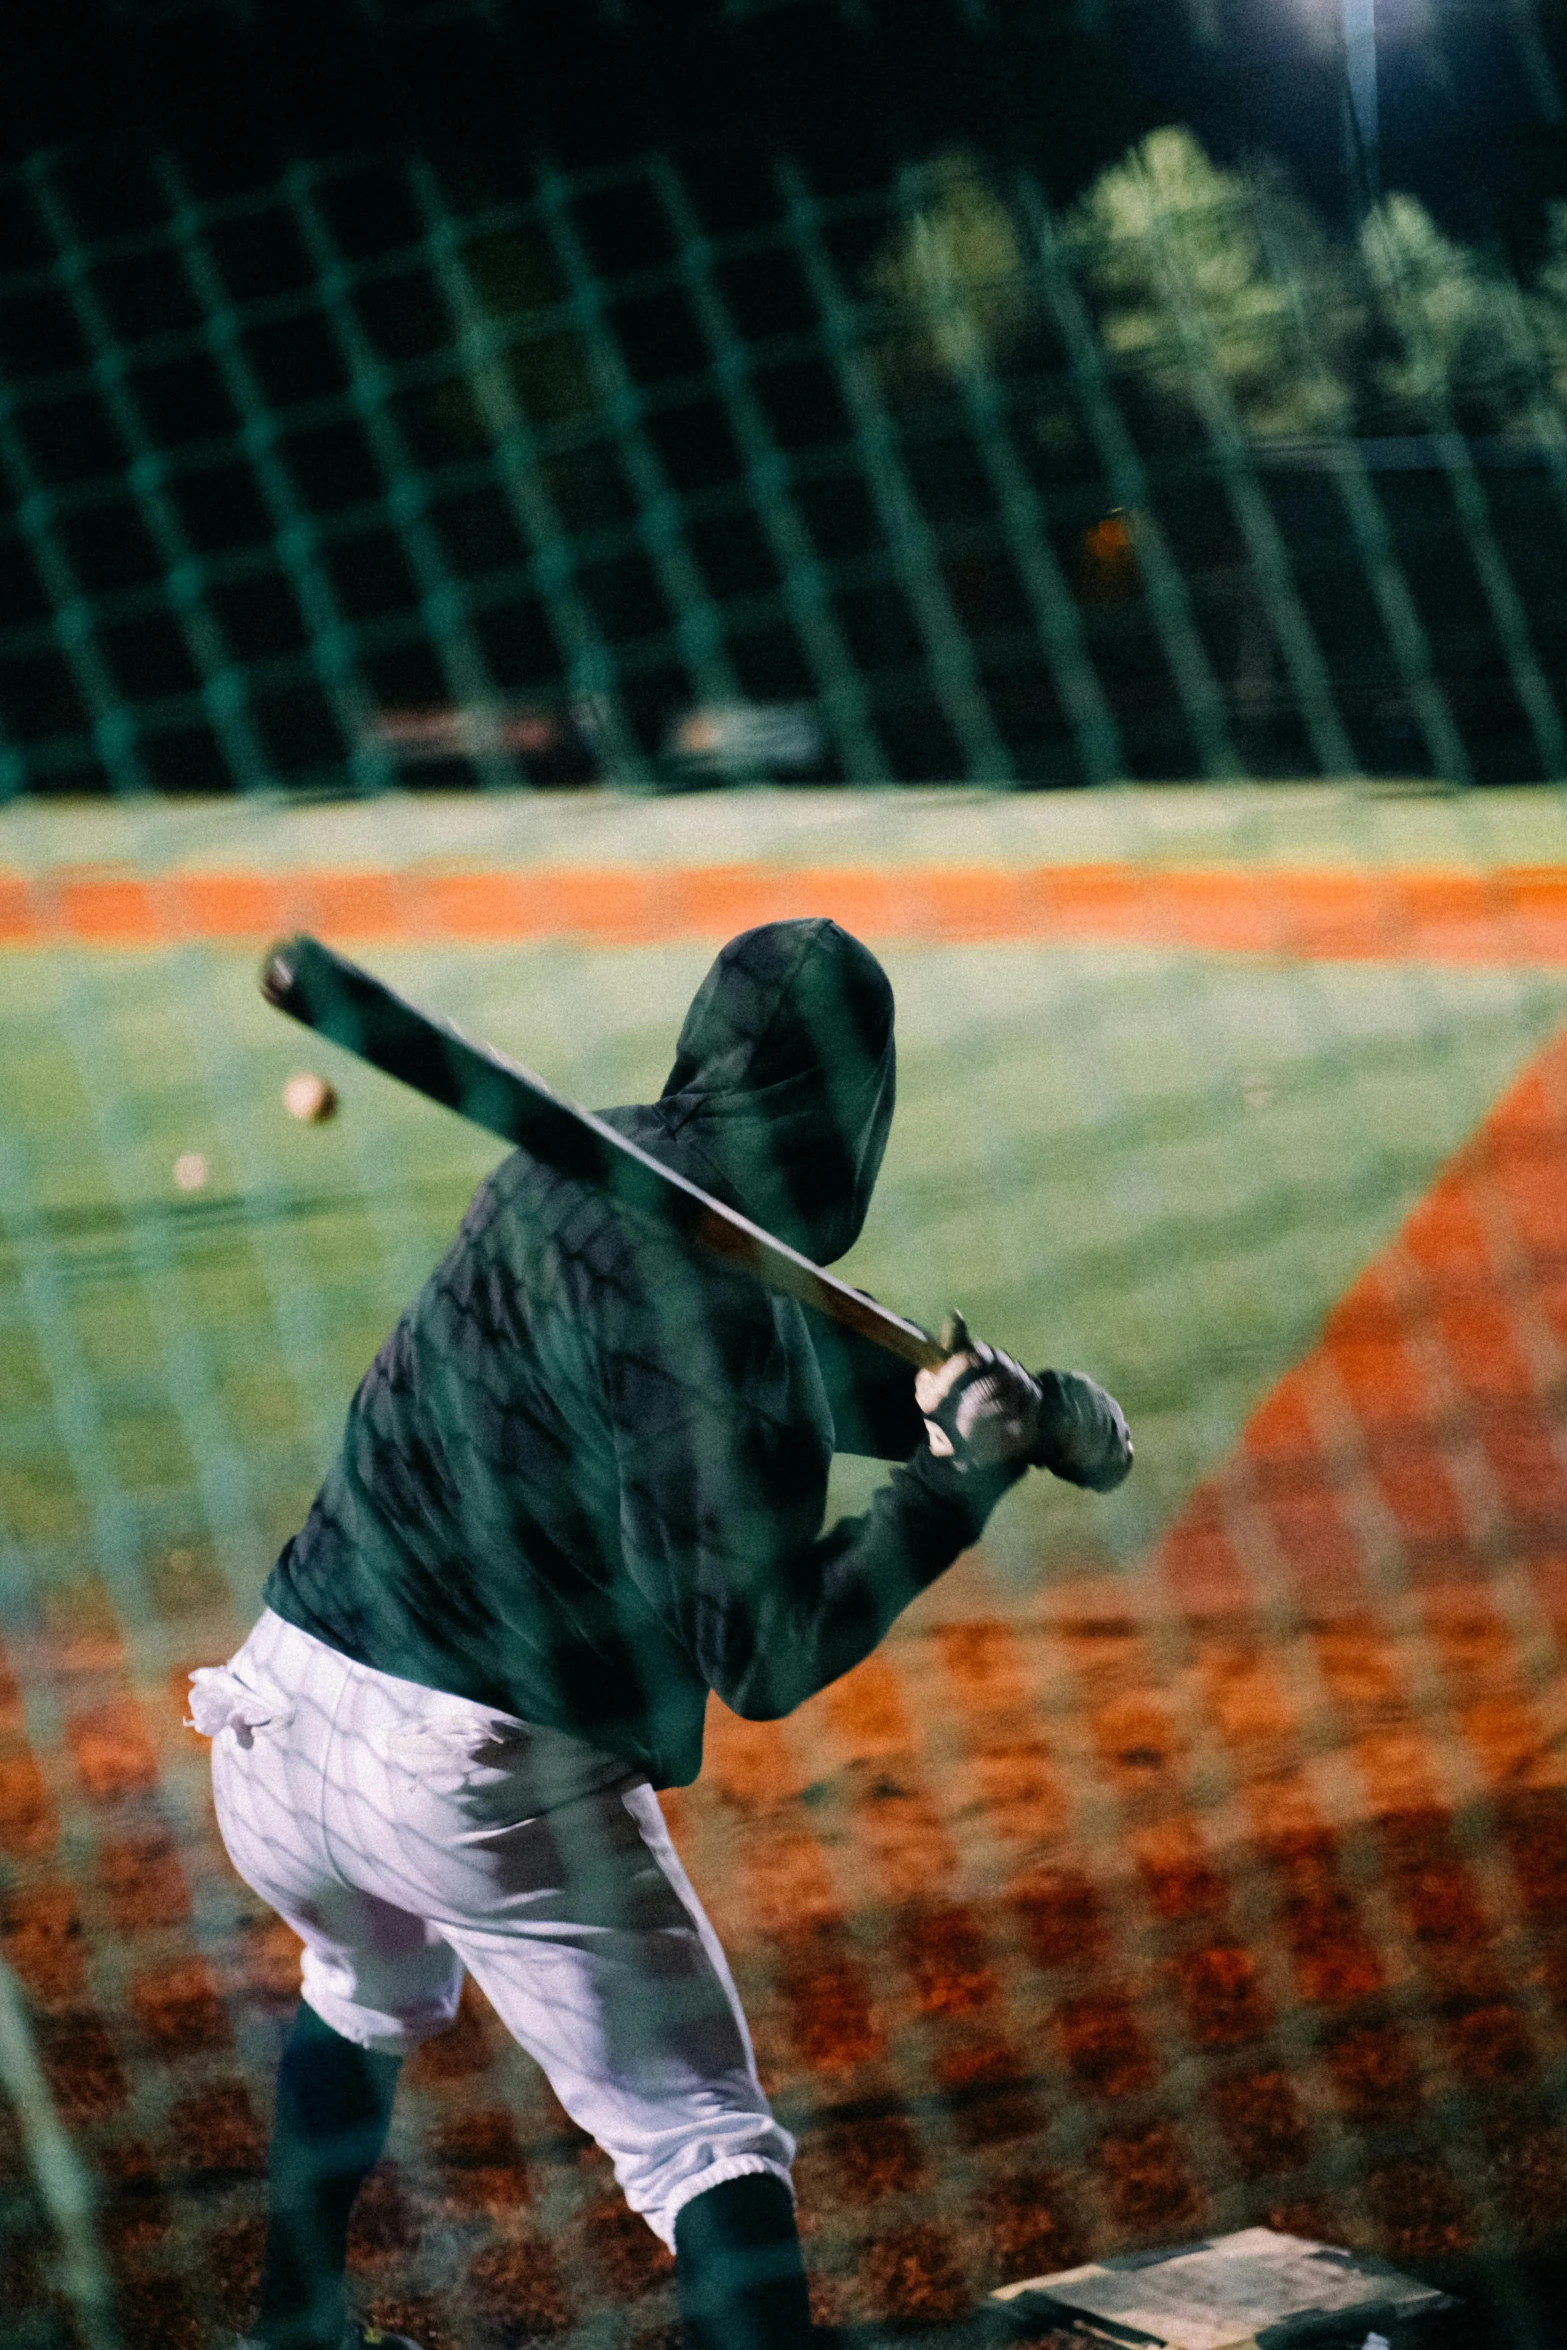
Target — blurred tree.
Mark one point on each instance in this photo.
(1190, 270)
(1203, 278)
(1460, 343)
(1548, 315)
(1186, 266)
(953, 283)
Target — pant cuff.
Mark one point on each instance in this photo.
(733, 2166)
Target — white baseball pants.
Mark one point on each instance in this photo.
(405, 1834)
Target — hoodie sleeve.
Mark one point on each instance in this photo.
(722, 1495)
(870, 1394)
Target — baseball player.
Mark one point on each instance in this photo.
(582, 1485)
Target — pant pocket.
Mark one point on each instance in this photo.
(473, 1764)
(490, 1770)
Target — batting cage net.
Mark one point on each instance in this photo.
(1189, 1858)
(672, 472)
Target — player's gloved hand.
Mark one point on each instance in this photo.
(982, 1410)
(1083, 1435)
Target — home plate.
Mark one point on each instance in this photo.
(1255, 2287)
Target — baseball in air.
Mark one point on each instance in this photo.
(309, 1098)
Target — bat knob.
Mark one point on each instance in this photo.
(955, 1339)
(277, 978)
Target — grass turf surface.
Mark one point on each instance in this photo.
(1162, 1167)
(1087, 1915)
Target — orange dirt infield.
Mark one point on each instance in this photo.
(1238, 1896)
(1514, 914)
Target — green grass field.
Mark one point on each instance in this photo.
(1162, 1167)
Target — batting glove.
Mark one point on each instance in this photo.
(1083, 1435)
(982, 1410)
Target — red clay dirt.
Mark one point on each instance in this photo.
(1513, 914)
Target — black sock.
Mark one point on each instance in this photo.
(737, 2268)
(334, 2104)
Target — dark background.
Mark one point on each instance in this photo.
(492, 93)
(1470, 89)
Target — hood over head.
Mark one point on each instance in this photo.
(783, 1081)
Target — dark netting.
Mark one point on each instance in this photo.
(1186, 1858)
(1190, 1858)
(693, 470)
